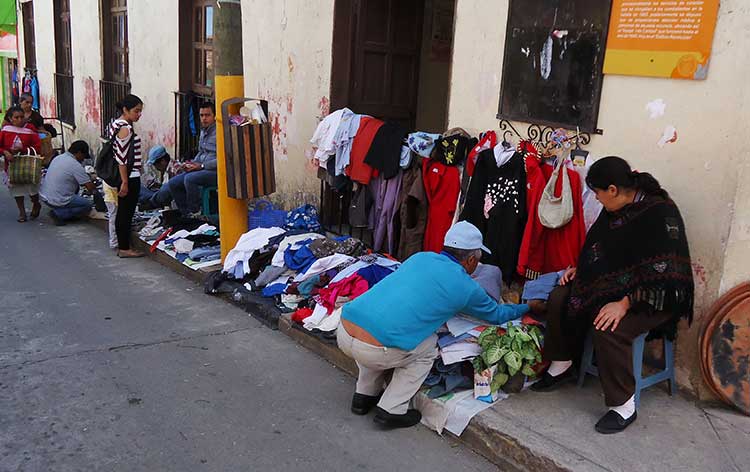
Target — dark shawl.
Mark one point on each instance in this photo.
(640, 251)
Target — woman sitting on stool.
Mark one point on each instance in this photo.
(633, 276)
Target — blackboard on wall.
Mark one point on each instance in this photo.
(552, 68)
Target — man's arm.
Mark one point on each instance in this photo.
(207, 155)
(480, 305)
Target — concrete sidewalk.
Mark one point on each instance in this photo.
(555, 431)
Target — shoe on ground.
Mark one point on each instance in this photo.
(55, 219)
(549, 383)
(389, 420)
(362, 404)
(97, 215)
(129, 254)
(612, 422)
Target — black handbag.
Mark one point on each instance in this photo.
(106, 166)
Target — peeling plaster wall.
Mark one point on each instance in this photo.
(153, 30)
(700, 170)
(287, 61)
(85, 35)
(154, 72)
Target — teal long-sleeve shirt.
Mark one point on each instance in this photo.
(409, 305)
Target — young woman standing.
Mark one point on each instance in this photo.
(125, 143)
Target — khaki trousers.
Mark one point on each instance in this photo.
(410, 368)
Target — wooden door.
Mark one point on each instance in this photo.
(381, 45)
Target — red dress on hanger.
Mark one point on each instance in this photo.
(442, 185)
(543, 249)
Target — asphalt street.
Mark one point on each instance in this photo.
(121, 365)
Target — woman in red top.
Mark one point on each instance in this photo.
(15, 138)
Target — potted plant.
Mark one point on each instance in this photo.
(514, 353)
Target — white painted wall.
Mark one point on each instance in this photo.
(86, 37)
(153, 28)
(700, 170)
(287, 61)
(154, 73)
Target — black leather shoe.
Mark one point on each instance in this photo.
(612, 422)
(548, 383)
(362, 404)
(389, 420)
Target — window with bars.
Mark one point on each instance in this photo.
(63, 62)
(116, 63)
(202, 47)
(196, 72)
(115, 35)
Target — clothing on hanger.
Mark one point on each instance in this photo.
(496, 204)
(442, 185)
(544, 249)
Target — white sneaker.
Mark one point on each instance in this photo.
(97, 215)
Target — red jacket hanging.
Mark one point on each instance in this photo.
(442, 185)
(357, 170)
(543, 249)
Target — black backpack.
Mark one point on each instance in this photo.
(106, 166)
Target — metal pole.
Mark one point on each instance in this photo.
(229, 83)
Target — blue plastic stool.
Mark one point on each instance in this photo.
(639, 344)
(206, 196)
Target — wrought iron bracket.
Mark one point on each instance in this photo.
(539, 135)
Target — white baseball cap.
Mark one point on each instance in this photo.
(464, 235)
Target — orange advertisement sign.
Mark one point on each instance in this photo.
(661, 38)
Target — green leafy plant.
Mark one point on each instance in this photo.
(516, 350)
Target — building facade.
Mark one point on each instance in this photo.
(443, 63)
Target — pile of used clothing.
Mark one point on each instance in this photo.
(303, 270)
(192, 241)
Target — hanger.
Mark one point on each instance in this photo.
(578, 155)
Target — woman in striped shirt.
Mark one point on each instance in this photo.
(126, 140)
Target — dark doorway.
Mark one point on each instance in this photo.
(383, 52)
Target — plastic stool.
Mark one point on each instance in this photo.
(206, 196)
(639, 345)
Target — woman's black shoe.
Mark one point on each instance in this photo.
(612, 422)
(389, 420)
(549, 383)
(362, 404)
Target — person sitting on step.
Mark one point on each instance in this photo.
(185, 187)
(152, 177)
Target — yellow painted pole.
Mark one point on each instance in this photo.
(228, 83)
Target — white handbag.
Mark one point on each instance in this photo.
(556, 212)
